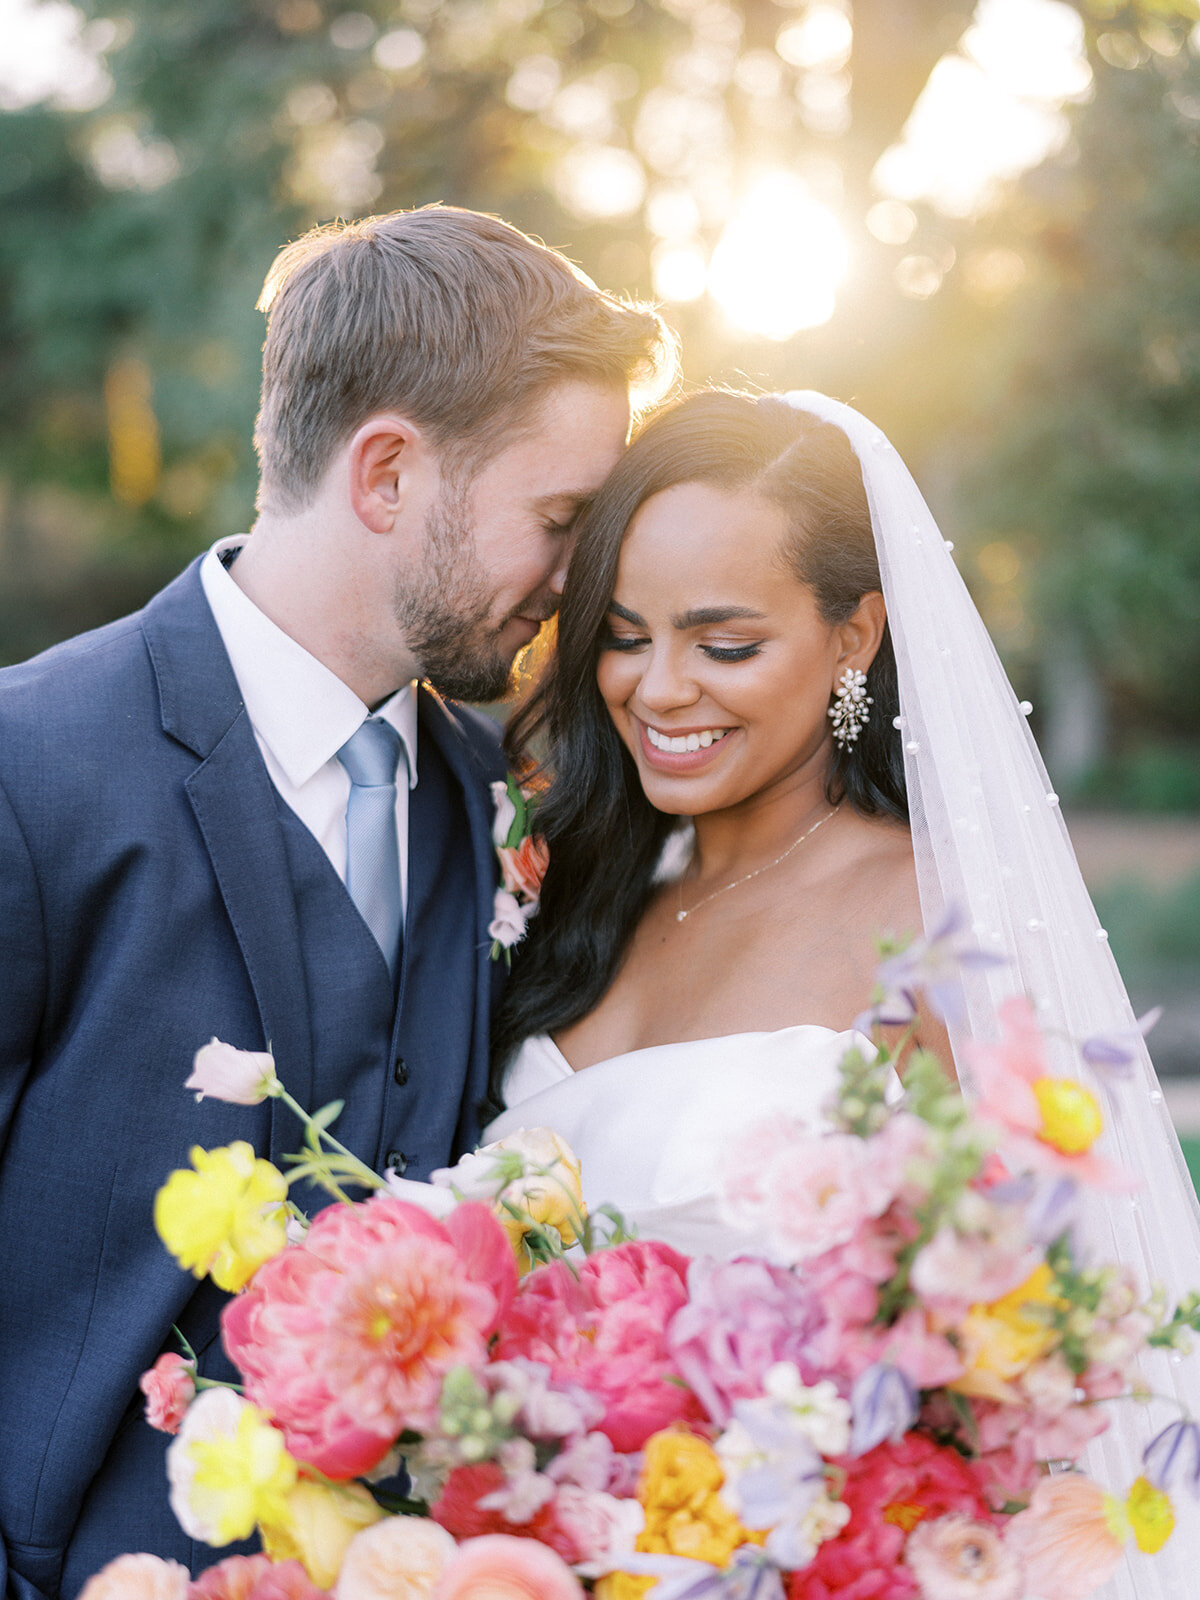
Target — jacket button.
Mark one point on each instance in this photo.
(397, 1160)
(400, 1071)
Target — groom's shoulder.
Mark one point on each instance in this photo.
(87, 678)
(478, 735)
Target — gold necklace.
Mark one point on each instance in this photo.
(681, 915)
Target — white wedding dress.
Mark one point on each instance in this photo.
(652, 1127)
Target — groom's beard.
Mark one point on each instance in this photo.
(445, 610)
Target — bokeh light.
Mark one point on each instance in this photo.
(778, 264)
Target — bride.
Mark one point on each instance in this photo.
(764, 632)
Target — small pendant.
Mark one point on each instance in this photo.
(679, 916)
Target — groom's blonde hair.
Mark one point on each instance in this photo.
(451, 318)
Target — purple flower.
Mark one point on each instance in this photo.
(1113, 1054)
(884, 1406)
(742, 1317)
(1175, 1450)
(933, 964)
(750, 1575)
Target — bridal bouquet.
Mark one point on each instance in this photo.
(494, 1394)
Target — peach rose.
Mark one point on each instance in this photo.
(401, 1558)
(499, 1567)
(524, 867)
(138, 1577)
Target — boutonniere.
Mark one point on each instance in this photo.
(523, 858)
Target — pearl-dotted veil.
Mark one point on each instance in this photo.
(989, 838)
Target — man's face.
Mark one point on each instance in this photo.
(497, 545)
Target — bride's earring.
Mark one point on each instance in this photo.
(849, 711)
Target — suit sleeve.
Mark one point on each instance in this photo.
(22, 963)
(22, 1001)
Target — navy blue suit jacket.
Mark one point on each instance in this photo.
(145, 906)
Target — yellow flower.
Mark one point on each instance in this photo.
(1000, 1339)
(227, 1217)
(315, 1525)
(238, 1476)
(680, 1493)
(624, 1586)
(1150, 1516)
(548, 1193)
(1071, 1119)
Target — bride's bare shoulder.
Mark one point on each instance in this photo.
(881, 861)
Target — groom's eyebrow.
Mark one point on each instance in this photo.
(574, 500)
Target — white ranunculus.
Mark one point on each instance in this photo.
(507, 926)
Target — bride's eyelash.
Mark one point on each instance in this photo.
(738, 652)
(714, 652)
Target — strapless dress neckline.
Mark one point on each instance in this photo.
(652, 1126)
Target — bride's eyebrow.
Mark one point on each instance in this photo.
(706, 616)
(698, 617)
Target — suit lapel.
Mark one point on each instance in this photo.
(236, 807)
(473, 773)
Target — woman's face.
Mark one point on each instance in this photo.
(717, 666)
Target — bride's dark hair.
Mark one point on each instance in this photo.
(605, 837)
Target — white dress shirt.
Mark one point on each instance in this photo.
(302, 714)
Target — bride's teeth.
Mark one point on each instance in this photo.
(680, 743)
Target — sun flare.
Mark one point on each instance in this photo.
(780, 260)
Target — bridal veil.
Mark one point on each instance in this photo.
(989, 838)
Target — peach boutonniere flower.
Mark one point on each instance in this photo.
(523, 858)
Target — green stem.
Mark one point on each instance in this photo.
(362, 1173)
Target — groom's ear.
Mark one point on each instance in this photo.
(385, 457)
(861, 633)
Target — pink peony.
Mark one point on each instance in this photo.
(741, 1318)
(606, 1330)
(287, 1580)
(957, 1558)
(1063, 1540)
(232, 1579)
(592, 1526)
(889, 1491)
(255, 1578)
(138, 1577)
(806, 1193)
(344, 1338)
(170, 1387)
(502, 1568)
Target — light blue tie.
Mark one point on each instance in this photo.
(370, 756)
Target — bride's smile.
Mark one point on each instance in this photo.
(717, 665)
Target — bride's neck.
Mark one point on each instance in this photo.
(758, 829)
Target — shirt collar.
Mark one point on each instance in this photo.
(300, 710)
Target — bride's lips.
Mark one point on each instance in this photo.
(679, 761)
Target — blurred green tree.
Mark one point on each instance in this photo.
(624, 131)
(1079, 470)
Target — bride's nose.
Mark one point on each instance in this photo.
(666, 681)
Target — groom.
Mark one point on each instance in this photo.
(236, 814)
